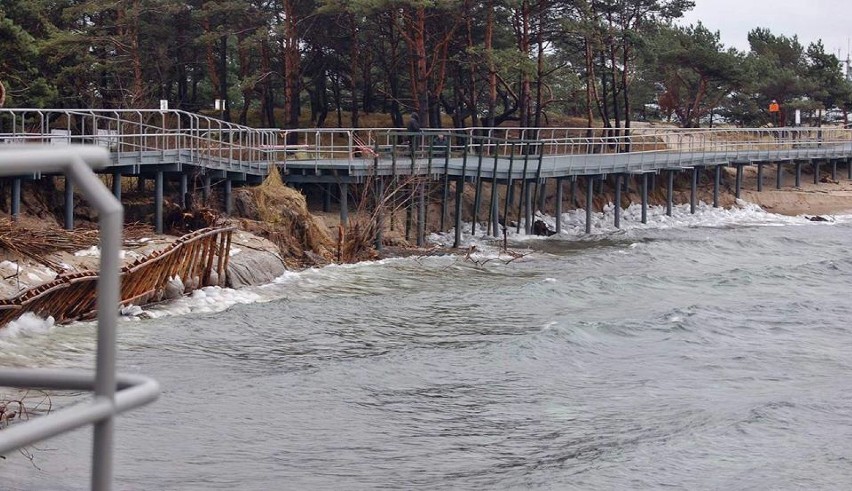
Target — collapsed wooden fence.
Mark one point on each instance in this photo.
(198, 259)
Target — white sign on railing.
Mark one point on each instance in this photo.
(60, 137)
(107, 138)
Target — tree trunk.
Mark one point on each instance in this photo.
(604, 104)
(625, 85)
(492, 69)
(355, 73)
(292, 67)
(616, 115)
(223, 79)
(591, 84)
(421, 75)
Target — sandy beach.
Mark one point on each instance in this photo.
(825, 198)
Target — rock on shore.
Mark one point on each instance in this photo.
(253, 261)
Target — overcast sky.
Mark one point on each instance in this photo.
(829, 20)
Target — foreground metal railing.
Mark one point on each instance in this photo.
(113, 394)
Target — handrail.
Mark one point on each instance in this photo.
(77, 163)
(177, 136)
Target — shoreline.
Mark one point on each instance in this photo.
(826, 198)
(809, 200)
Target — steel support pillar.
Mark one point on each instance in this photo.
(573, 191)
(229, 201)
(477, 204)
(833, 169)
(16, 197)
(458, 210)
(798, 174)
(344, 204)
(116, 185)
(815, 166)
(617, 208)
(644, 198)
(528, 211)
(779, 175)
(326, 198)
(590, 190)
(421, 213)
(738, 186)
(759, 177)
(717, 182)
(693, 190)
(559, 204)
(205, 189)
(185, 199)
(158, 202)
(669, 191)
(69, 203)
(380, 223)
(495, 208)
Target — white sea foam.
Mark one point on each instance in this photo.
(27, 325)
(603, 223)
(206, 300)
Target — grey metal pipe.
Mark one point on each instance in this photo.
(344, 203)
(421, 213)
(16, 197)
(69, 203)
(495, 213)
(205, 189)
(617, 210)
(669, 191)
(458, 210)
(528, 211)
(326, 197)
(559, 193)
(111, 221)
(573, 192)
(590, 189)
(229, 199)
(184, 190)
(779, 175)
(739, 181)
(717, 181)
(158, 202)
(693, 190)
(116, 185)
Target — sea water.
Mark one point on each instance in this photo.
(707, 351)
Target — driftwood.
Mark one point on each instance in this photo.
(33, 239)
(197, 259)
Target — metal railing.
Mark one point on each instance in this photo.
(113, 394)
(138, 136)
(174, 135)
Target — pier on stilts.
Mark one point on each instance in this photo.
(510, 172)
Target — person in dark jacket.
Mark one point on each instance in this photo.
(413, 127)
(414, 123)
